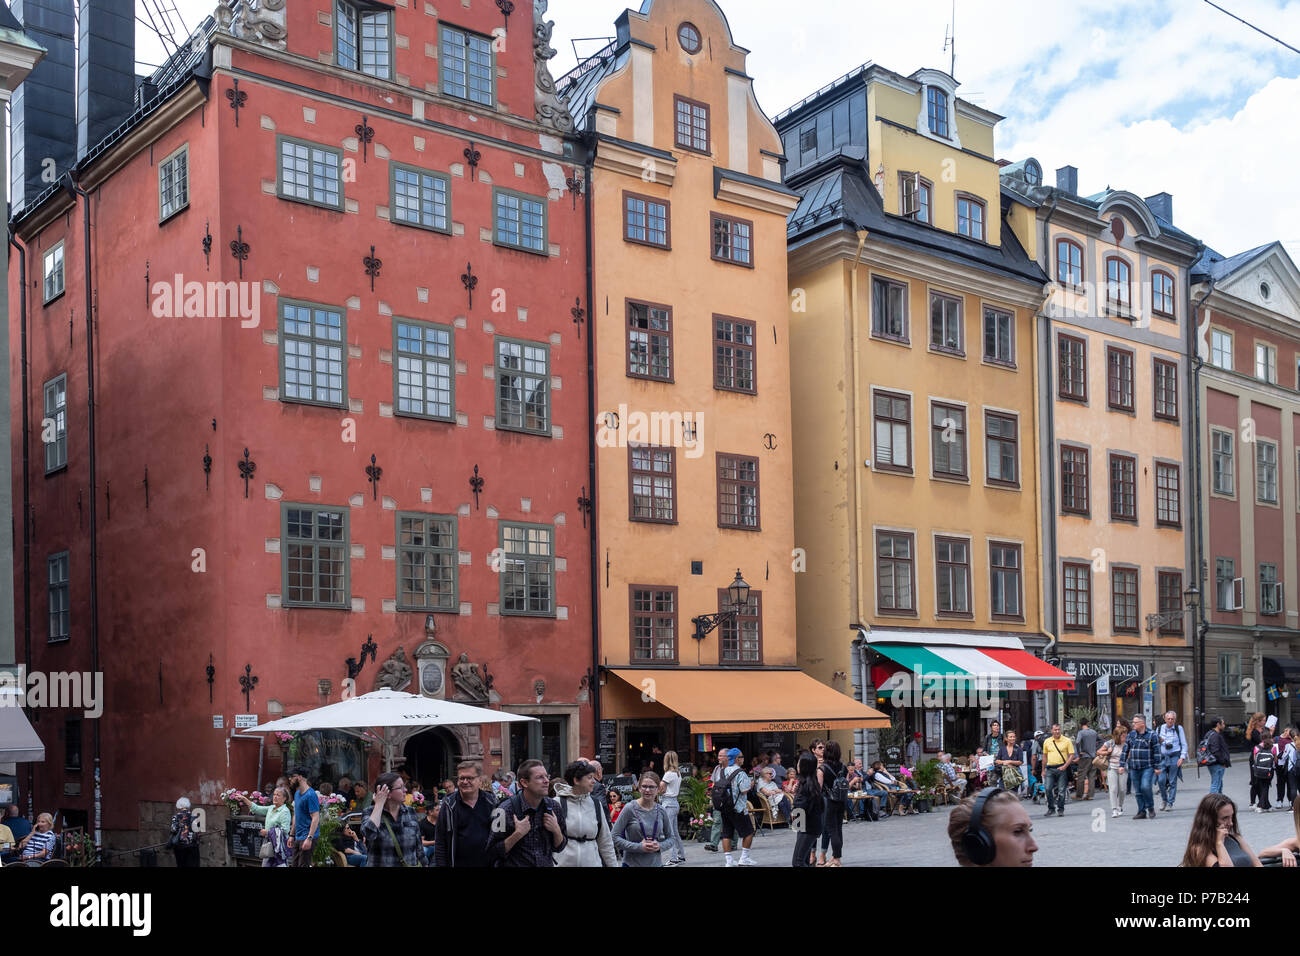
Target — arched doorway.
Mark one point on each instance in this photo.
(430, 757)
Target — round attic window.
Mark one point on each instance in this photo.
(688, 35)
(1265, 290)
(1033, 173)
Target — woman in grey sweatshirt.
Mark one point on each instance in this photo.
(645, 821)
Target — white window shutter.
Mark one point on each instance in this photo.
(1238, 594)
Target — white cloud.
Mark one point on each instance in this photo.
(1146, 95)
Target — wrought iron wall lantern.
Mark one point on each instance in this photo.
(738, 593)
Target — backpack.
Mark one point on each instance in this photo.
(838, 792)
(1263, 763)
(1204, 757)
(721, 797)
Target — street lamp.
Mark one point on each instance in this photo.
(738, 592)
(1192, 603)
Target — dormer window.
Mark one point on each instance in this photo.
(937, 103)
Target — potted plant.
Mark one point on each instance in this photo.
(693, 800)
(926, 778)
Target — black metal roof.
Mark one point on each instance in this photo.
(1214, 265)
(838, 193)
(192, 60)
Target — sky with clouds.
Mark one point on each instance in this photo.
(1145, 95)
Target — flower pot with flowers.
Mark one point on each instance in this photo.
(926, 779)
(693, 800)
(415, 800)
(231, 798)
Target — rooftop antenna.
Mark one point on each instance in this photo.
(950, 41)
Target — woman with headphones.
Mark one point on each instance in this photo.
(992, 829)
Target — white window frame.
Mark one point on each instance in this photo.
(1266, 363)
(1268, 484)
(1221, 357)
(52, 271)
(175, 200)
(1228, 453)
(1226, 691)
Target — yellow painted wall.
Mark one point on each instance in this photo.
(696, 288)
(950, 170)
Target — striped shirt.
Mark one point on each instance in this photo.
(37, 842)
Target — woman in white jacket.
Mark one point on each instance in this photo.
(590, 843)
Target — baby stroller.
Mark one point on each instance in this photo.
(1035, 788)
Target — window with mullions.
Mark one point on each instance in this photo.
(893, 427)
(519, 221)
(363, 38)
(1223, 455)
(1265, 472)
(895, 573)
(1078, 596)
(692, 127)
(937, 111)
(1169, 584)
(914, 196)
(57, 592)
(528, 570)
(649, 341)
(174, 183)
(1270, 593)
(1071, 368)
(740, 639)
(315, 557)
(1119, 286)
(889, 309)
(946, 324)
(653, 623)
(311, 173)
(1123, 488)
(1124, 599)
(421, 198)
(970, 217)
(733, 354)
(424, 370)
(52, 269)
(1266, 363)
(1069, 263)
(1221, 349)
(1005, 581)
(1169, 505)
(426, 562)
(952, 575)
(1001, 444)
(1162, 294)
(645, 220)
(733, 240)
(999, 337)
(948, 440)
(1166, 390)
(738, 492)
(653, 479)
(466, 65)
(1225, 587)
(312, 358)
(523, 387)
(1074, 480)
(1230, 675)
(1119, 380)
(56, 409)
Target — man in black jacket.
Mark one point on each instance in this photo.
(1218, 748)
(465, 821)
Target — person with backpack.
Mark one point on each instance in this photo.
(1263, 764)
(1285, 756)
(642, 825)
(715, 832)
(590, 840)
(1213, 753)
(833, 778)
(809, 810)
(530, 830)
(731, 801)
(1171, 753)
(184, 841)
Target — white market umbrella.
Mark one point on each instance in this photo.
(383, 709)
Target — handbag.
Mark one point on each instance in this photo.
(267, 851)
(1011, 777)
(1101, 762)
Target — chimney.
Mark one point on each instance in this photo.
(105, 70)
(1162, 204)
(43, 134)
(1067, 180)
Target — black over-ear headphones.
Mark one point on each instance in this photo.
(976, 842)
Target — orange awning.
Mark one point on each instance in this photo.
(740, 701)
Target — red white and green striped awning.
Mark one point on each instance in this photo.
(948, 667)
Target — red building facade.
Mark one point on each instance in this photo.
(340, 390)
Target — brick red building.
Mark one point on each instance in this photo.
(364, 171)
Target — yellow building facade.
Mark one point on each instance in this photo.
(913, 387)
(694, 440)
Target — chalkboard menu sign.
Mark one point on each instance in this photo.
(608, 744)
(242, 838)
